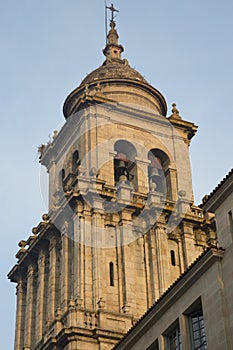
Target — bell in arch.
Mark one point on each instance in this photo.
(155, 172)
(121, 171)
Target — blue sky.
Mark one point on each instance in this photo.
(183, 48)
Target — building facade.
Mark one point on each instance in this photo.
(121, 226)
(196, 312)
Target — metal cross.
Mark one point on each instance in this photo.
(112, 8)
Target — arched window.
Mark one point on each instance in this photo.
(124, 163)
(158, 170)
(75, 162)
(173, 258)
(62, 176)
(111, 274)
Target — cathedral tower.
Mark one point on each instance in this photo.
(121, 225)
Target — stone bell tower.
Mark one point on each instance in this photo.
(121, 224)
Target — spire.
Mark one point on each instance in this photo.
(112, 50)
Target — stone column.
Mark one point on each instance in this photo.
(149, 283)
(81, 287)
(142, 174)
(79, 258)
(29, 308)
(119, 268)
(142, 303)
(87, 261)
(153, 266)
(52, 184)
(188, 244)
(180, 256)
(171, 181)
(76, 263)
(97, 228)
(127, 258)
(40, 309)
(162, 257)
(64, 277)
(52, 285)
(20, 314)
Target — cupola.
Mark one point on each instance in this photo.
(115, 81)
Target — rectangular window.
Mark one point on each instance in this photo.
(197, 331)
(173, 337)
(230, 218)
(174, 340)
(154, 346)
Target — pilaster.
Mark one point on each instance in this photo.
(171, 180)
(128, 267)
(188, 244)
(142, 172)
(53, 289)
(79, 257)
(87, 261)
(152, 265)
(98, 242)
(40, 300)
(30, 308)
(162, 256)
(20, 314)
(64, 277)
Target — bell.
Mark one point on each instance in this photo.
(154, 172)
(121, 164)
(155, 178)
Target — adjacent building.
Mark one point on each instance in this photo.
(196, 311)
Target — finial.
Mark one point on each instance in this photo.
(174, 109)
(55, 133)
(112, 50)
(175, 112)
(22, 244)
(45, 218)
(112, 9)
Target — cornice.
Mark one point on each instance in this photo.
(72, 101)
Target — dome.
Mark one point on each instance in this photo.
(113, 71)
(115, 81)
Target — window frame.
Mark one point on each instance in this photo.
(174, 328)
(203, 344)
(194, 309)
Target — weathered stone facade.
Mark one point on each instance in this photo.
(205, 289)
(110, 245)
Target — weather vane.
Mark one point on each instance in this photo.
(112, 9)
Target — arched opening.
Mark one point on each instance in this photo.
(158, 172)
(159, 162)
(111, 274)
(124, 163)
(62, 176)
(173, 258)
(75, 162)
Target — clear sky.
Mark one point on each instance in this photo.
(183, 48)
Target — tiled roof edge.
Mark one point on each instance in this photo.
(207, 197)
